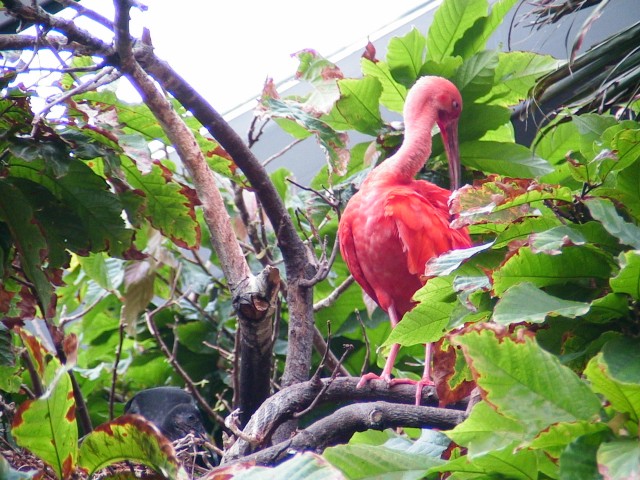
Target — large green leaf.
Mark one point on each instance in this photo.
(525, 382)
(574, 264)
(405, 56)
(302, 466)
(47, 425)
(450, 22)
(521, 465)
(628, 279)
(578, 460)
(358, 104)
(508, 159)
(427, 321)
(475, 38)
(89, 196)
(515, 76)
(605, 212)
(475, 77)
(27, 237)
(169, 205)
(526, 303)
(485, 431)
(393, 93)
(133, 438)
(623, 396)
(369, 461)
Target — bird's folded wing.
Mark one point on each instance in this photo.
(350, 256)
(423, 228)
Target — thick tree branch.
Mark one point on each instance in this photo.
(283, 405)
(344, 422)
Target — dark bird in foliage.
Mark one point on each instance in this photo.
(171, 409)
(395, 223)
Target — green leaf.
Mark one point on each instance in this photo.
(107, 272)
(557, 437)
(475, 77)
(619, 459)
(426, 322)
(622, 357)
(91, 199)
(605, 212)
(405, 56)
(358, 104)
(475, 38)
(302, 466)
(446, 263)
(515, 75)
(578, 461)
(130, 437)
(526, 303)
(393, 93)
(47, 425)
(452, 19)
(27, 237)
(323, 75)
(525, 382)
(485, 430)
(551, 241)
(555, 143)
(624, 397)
(522, 230)
(574, 264)
(368, 461)
(169, 205)
(508, 159)
(628, 279)
(521, 465)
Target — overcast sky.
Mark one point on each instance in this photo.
(227, 49)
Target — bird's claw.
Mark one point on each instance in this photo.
(373, 376)
(420, 384)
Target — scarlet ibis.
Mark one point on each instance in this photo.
(394, 224)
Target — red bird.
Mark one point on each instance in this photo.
(394, 224)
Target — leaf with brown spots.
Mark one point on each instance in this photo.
(47, 426)
(130, 437)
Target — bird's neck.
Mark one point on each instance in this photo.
(414, 152)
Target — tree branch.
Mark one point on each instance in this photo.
(283, 405)
(344, 422)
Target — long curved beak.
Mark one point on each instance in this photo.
(450, 140)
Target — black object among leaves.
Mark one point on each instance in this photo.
(171, 409)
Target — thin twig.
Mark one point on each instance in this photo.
(367, 353)
(281, 152)
(333, 296)
(114, 376)
(326, 385)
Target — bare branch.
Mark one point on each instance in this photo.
(333, 296)
(340, 426)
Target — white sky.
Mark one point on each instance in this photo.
(227, 49)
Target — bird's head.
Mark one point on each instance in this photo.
(437, 99)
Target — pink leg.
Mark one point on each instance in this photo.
(425, 381)
(391, 359)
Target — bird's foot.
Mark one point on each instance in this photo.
(373, 376)
(420, 384)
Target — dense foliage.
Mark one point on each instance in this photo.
(101, 239)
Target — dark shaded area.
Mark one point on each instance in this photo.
(171, 409)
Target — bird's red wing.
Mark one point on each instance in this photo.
(350, 256)
(423, 228)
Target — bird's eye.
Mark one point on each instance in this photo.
(455, 105)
